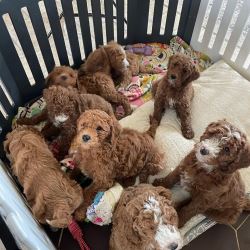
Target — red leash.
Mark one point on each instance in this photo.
(77, 234)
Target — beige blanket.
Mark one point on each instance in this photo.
(220, 93)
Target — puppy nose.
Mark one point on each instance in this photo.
(204, 151)
(173, 246)
(173, 77)
(63, 77)
(86, 138)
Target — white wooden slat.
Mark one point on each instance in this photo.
(201, 21)
(239, 25)
(211, 23)
(244, 50)
(223, 27)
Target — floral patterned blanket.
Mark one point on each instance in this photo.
(138, 91)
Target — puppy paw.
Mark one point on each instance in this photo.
(24, 121)
(128, 111)
(188, 133)
(80, 214)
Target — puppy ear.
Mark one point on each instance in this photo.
(48, 80)
(164, 192)
(6, 143)
(115, 130)
(211, 128)
(96, 61)
(242, 161)
(46, 93)
(194, 74)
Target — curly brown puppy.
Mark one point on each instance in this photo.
(52, 195)
(175, 90)
(64, 76)
(145, 219)
(96, 75)
(64, 106)
(210, 173)
(106, 153)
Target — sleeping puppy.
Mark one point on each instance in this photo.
(175, 90)
(210, 174)
(102, 67)
(105, 152)
(145, 219)
(52, 195)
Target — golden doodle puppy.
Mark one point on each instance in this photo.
(102, 67)
(210, 173)
(64, 76)
(145, 219)
(52, 195)
(106, 152)
(175, 90)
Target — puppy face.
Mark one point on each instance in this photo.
(61, 104)
(153, 219)
(117, 56)
(220, 147)
(63, 76)
(94, 128)
(181, 71)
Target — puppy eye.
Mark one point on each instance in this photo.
(184, 71)
(99, 128)
(175, 64)
(226, 149)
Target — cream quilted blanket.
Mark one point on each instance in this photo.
(220, 93)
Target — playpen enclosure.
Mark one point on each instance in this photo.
(36, 35)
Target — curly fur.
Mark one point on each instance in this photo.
(68, 103)
(210, 173)
(53, 197)
(145, 219)
(106, 152)
(175, 89)
(62, 75)
(96, 75)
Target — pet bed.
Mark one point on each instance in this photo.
(220, 93)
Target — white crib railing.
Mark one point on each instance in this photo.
(222, 31)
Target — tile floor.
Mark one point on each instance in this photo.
(222, 237)
(219, 237)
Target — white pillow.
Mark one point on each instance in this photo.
(220, 93)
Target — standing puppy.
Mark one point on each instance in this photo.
(210, 173)
(175, 90)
